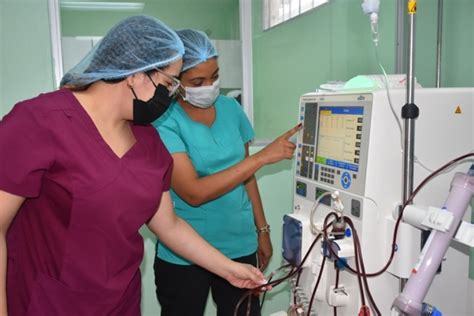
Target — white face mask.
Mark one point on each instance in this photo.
(202, 97)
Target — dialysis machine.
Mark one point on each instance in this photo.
(351, 143)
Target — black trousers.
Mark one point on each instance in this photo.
(183, 290)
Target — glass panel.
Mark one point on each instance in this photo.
(276, 12)
(306, 5)
(294, 8)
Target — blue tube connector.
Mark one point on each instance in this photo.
(430, 310)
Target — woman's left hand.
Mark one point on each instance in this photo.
(265, 250)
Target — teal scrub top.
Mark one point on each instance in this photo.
(227, 222)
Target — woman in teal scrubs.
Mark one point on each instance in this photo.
(213, 184)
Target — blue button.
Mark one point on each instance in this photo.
(346, 180)
(348, 232)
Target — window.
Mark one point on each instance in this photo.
(278, 11)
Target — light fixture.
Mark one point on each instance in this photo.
(101, 6)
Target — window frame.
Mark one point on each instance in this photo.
(285, 11)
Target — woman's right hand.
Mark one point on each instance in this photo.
(244, 276)
(281, 148)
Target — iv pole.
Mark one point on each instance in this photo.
(410, 113)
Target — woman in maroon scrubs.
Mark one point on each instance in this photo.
(81, 170)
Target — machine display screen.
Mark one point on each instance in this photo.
(339, 136)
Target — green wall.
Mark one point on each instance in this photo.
(333, 42)
(218, 18)
(457, 68)
(25, 51)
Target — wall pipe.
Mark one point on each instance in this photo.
(439, 43)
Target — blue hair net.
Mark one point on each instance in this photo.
(137, 44)
(197, 48)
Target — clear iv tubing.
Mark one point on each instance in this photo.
(375, 38)
(313, 227)
(371, 8)
(374, 27)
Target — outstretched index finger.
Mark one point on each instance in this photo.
(292, 131)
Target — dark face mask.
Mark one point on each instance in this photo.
(145, 112)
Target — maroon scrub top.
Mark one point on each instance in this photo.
(74, 246)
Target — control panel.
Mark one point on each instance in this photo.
(331, 151)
